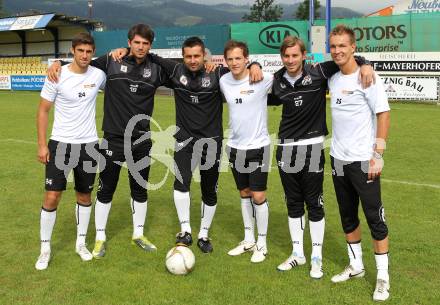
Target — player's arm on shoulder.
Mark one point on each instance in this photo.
(101, 62)
(42, 123)
(54, 70)
(119, 53)
(255, 72)
(168, 65)
(325, 69)
(367, 77)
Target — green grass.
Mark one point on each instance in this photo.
(129, 276)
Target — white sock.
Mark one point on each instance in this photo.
(317, 235)
(208, 213)
(139, 211)
(82, 214)
(262, 218)
(296, 228)
(382, 266)
(47, 222)
(355, 255)
(247, 211)
(102, 210)
(182, 203)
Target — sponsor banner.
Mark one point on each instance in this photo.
(266, 37)
(214, 36)
(270, 63)
(416, 6)
(27, 82)
(31, 22)
(167, 53)
(397, 33)
(5, 82)
(411, 87)
(5, 23)
(412, 63)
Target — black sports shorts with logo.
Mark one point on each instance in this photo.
(65, 157)
(250, 167)
(204, 153)
(351, 184)
(301, 171)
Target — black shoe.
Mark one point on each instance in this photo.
(205, 245)
(184, 238)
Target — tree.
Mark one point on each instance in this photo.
(264, 10)
(302, 12)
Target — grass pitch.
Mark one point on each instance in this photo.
(411, 196)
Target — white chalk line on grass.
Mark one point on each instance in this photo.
(18, 141)
(436, 186)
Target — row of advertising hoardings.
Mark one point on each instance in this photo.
(22, 82)
(398, 33)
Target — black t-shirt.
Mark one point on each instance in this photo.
(198, 100)
(304, 103)
(129, 91)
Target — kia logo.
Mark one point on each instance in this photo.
(273, 35)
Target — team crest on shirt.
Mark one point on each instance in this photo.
(283, 86)
(206, 82)
(183, 80)
(123, 68)
(147, 72)
(307, 80)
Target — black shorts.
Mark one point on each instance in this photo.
(301, 171)
(113, 155)
(65, 157)
(204, 153)
(250, 167)
(351, 184)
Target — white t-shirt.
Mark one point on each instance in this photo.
(74, 97)
(247, 111)
(354, 116)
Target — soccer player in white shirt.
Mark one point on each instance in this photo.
(360, 121)
(74, 140)
(248, 145)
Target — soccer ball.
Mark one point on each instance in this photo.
(180, 260)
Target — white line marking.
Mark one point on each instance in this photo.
(436, 186)
(17, 141)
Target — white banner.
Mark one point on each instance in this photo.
(411, 63)
(5, 82)
(411, 87)
(25, 23)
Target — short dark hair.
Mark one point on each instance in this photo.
(143, 30)
(192, 42)
(232, 44)
(83, 38)
(291, 41)
(341, 29)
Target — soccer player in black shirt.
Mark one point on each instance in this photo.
(301, 89)
(199, 133)
(129, 91)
